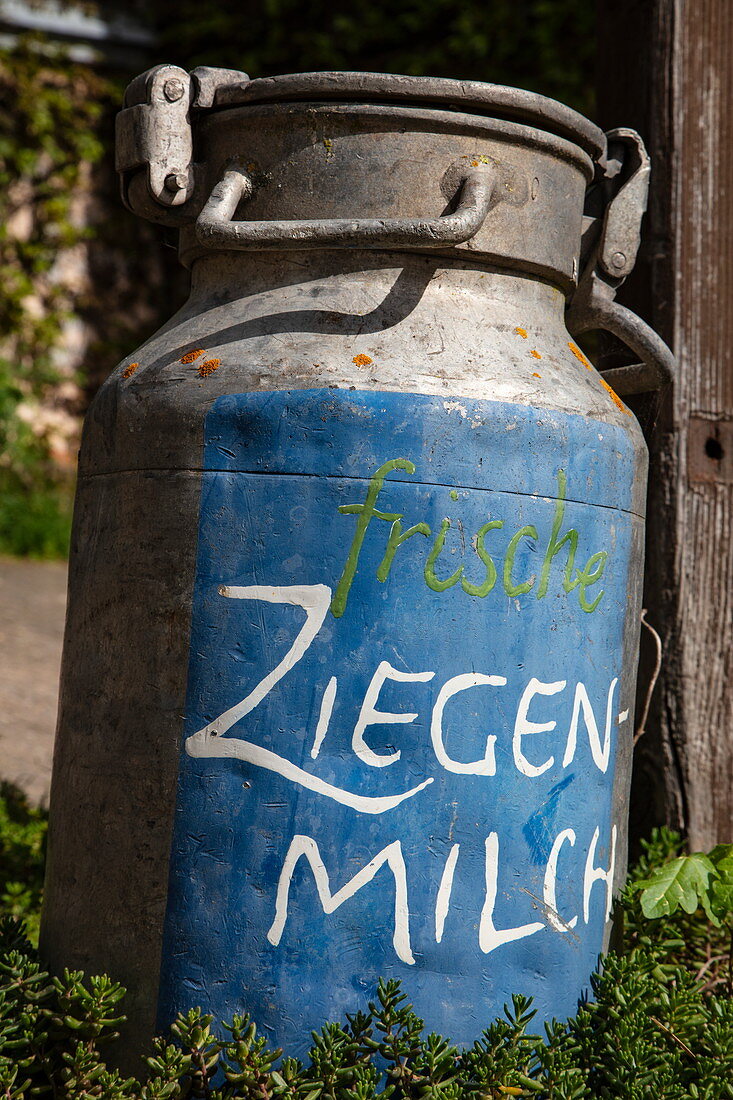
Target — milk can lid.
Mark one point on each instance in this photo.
(472, 96)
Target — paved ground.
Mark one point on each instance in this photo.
(32, 606)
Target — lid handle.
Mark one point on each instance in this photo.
(215, 228)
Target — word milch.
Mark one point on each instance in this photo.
(574, 579)
(489, 935)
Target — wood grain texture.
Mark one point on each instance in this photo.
(666, 67)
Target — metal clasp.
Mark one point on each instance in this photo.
(153, 134)
(154, 140)
(621, 232)
(610, 257)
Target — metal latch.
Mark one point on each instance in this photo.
(621, 232)
(615, 237)
(154, 141)
(153, 133)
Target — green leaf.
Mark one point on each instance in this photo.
(721, 853)
(722, 900)
(722, 889)
(681, 883)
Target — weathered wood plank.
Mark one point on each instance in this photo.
(666, 66)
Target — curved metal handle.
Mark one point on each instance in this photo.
(612, 257)
(656, 369)
(215, 228)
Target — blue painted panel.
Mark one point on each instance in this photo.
(461, 441)
(379, 774)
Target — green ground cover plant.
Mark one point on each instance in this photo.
(660, 1024)
(22, 857)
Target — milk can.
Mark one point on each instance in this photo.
(349, 670)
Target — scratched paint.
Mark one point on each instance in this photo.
(404, 700)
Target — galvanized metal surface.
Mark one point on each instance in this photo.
(161, 138)
(336, 161)
(370, 320)
(469, 96)
(235, 451)
(164, 107)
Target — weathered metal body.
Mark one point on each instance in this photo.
(356, 569)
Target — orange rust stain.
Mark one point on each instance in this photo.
(611, 393)
(615, 397)
(579, 355)
(536, 375)
(192, 356)
(207, 368)
(535, 355)
(521, 332)
(361, 360)
(129, 371)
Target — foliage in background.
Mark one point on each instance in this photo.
(49, 114)
(660, 1025)
(547, 46)
(22, 857)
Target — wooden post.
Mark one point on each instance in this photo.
(666, 68)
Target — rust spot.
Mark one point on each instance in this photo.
(192, 356)
(129, 371)
(208, 367)
(361, 360)
(536, 375)
(589, 366)
(614, 397)
(579, 355)
(535, 355)
(521, 332)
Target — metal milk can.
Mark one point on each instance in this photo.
(350, 661)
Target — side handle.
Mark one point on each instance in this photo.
(653, 372)
(593, 307)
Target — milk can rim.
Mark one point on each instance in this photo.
(513, 104)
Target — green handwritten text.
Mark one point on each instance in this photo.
(559, 542)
